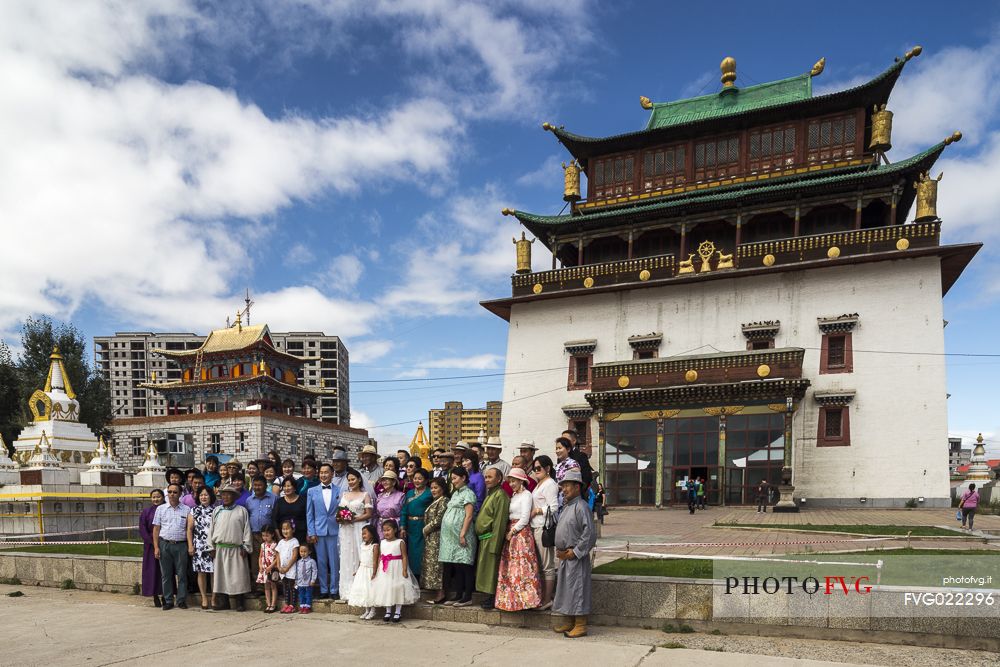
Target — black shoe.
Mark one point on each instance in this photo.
(236, 603)
(323, 596)
(489, 603)
(182, 604)
(395, 617)
(333, 596)
(167, 606)
(158, 603)
(387, 617)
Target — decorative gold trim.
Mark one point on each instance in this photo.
(781, 407)
(902, 244)
(588, 282)
(691, 375)
(623, 381)
(833, 252)
(537, 289)
(645, 102)
(724, 410)
(644, 275)
(768, 260)
(763, 371)
(817, 69)
(661, 414)
(40, 395)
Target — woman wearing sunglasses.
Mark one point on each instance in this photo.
(545, 498)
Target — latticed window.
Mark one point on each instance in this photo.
(716, 159)
(831, 138)
(834, 422)
(772, 148)
(663, 168)
(613, 176)
(836, 350)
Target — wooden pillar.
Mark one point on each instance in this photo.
(722, 460)
(659, 463)
(555, 247)
(892, 209)
(857, 214)
(630, 238)
(798, 219)
(739, 228)
(579, 252)
(684, 245)
(786, 466)
(601, 447)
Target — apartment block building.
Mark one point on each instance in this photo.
(127, 360)
(456, 422)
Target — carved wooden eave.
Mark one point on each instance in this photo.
(580, 346)
(761, 330)
(584, 411)
(647, 342)
(833, 397)
(759, 392)
(839, 324)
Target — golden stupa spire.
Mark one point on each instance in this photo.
(420, 446)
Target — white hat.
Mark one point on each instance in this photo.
(527, 444)
(369, 449)
(494, 442)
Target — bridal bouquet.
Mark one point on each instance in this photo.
(345, 515)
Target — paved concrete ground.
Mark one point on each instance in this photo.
(53, 627)
(639, 526)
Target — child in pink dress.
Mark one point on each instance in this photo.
(268, 556)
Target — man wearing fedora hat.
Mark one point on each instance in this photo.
(493, 449)
(370, 470)
(230, 542)
(575, 538)
(527, 449)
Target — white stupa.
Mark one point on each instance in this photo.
(103, 462)
(57, 415)
(8, 469)
(50, 469)
(151, 472)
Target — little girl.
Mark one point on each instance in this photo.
(288, 553)
(305, 578)
(360, 594)
(394, 582)
(266, 563)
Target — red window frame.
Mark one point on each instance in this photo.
(824, 355)
(573, 382)
(822, 439)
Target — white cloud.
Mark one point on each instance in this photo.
(149, 197)
(299, 255)
(413, 373)
(343, 273)
(548, 175)
(367, 350)
(474, 362)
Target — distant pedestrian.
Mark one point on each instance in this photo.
(600, 503)
(968, 504)
(692, 494)
(763, 494)
(700, 493)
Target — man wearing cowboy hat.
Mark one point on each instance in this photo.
(527, 449)
(230, 542)
(493, 449)
(575, 538)
(370, 470)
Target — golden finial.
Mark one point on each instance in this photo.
(914, 52)
(506, 211)
(728, 67)
(548, 127)
(955, 136)
(645, 102)
(818, 67)
(979, 440)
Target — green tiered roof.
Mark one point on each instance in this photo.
(730, 101)
(541, 225)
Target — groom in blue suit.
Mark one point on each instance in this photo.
(322, 527)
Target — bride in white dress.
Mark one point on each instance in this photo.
(360, 503)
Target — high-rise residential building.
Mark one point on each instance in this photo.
(956, 455)
(455, 422)
(737, 276)
(127, 360)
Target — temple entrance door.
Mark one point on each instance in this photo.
(755, 450)
(691, 447)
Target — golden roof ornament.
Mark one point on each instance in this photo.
(506, 211)
(645, 102)
(881, 129)
(571, 176)
(523, 254)
(817, 69)
(914, 52)
(926, 188)
(955, 136)
(728, 67)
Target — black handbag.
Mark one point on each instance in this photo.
(549, 530)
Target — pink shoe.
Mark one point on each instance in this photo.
(288, 609)
(305, 610)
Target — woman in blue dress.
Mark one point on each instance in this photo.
(411, 519)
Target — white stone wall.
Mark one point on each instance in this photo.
(898, 419)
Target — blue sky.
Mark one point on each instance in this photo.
(347, 161)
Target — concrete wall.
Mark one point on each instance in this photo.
(898, 417)
(647, 602)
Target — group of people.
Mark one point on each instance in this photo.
(520, 532)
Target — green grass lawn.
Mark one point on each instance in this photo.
(131, 549)
(917, 531)
(902, 566)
